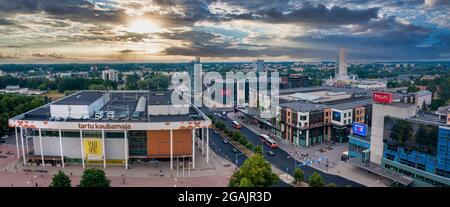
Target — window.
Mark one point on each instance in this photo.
(92, 134)
(303, 118)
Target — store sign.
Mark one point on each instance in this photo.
(359, 129)
(93, 149)
(382, 97)
(104, 126)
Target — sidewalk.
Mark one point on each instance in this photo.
(215, 174)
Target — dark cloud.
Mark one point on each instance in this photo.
(8, 56)
(5, 22)
(127, 51)
(318, 15)
(74, 10)
(49, 55)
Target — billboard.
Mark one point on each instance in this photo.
(336, 116)
(359, 129)
(93, 149)
(382, 97)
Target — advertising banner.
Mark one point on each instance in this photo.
(93, 149)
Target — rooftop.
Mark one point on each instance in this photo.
(80, 98)
(123, 103)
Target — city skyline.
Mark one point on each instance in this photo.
(43, 31)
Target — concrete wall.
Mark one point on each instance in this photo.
(378, 113)
(66, 111)
(72, 147)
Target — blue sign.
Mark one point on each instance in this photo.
(359, 129)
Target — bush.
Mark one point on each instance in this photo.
(220, 125)
(249, 146)
(94, 178)
(298, 175)
(315, 180)
(243, 141)
(60, 180)
(236, 136)
(258, 149)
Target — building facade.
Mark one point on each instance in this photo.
(112, 128)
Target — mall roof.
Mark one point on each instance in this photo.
(80, 98)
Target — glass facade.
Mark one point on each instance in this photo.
(418, 150)
(137, 143)
(356, 147)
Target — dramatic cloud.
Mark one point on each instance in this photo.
(318, 15)
(171, 30)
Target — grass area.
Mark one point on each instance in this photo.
(54, 95)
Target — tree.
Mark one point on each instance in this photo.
(411, 89)
(258, 150)
(331, 185)
(60, 180)
(255, 172)
(315, 180)
(245, 183)
(94, 178)
(298, 175)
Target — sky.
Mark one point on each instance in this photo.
(57, 31)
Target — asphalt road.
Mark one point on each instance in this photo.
(217, 144)
(281, 159)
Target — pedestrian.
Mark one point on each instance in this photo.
(36, 184)
(71, 173)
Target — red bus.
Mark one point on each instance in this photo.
(267, 140)
(236, 125)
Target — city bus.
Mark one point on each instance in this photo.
(236, 125)
(267, 140)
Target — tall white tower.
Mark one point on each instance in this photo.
(197, 82)
(341, 65)
(258, 65)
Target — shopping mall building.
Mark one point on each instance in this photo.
(112, 128)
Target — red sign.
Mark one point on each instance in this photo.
(382, 97)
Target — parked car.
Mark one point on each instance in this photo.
(235, 150)
(270, 153)
(225, 141)
(5, 137)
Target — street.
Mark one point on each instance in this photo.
(281, 159)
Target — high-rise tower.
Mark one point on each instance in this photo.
(341, 65)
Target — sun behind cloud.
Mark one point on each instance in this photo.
(143, 26)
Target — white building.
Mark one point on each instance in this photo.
(110, 74)
(341, 66)
(1, 73)
(258, 65)
(423, 96)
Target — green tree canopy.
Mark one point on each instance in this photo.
(331, 185)
(258, 150)
(299, 175)
(315, 180)
(255, 172)
(60, 180)
(94, 178)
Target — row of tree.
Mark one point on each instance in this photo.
(12, 105)
(92, 177)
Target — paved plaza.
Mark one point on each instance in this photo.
(215, 174)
